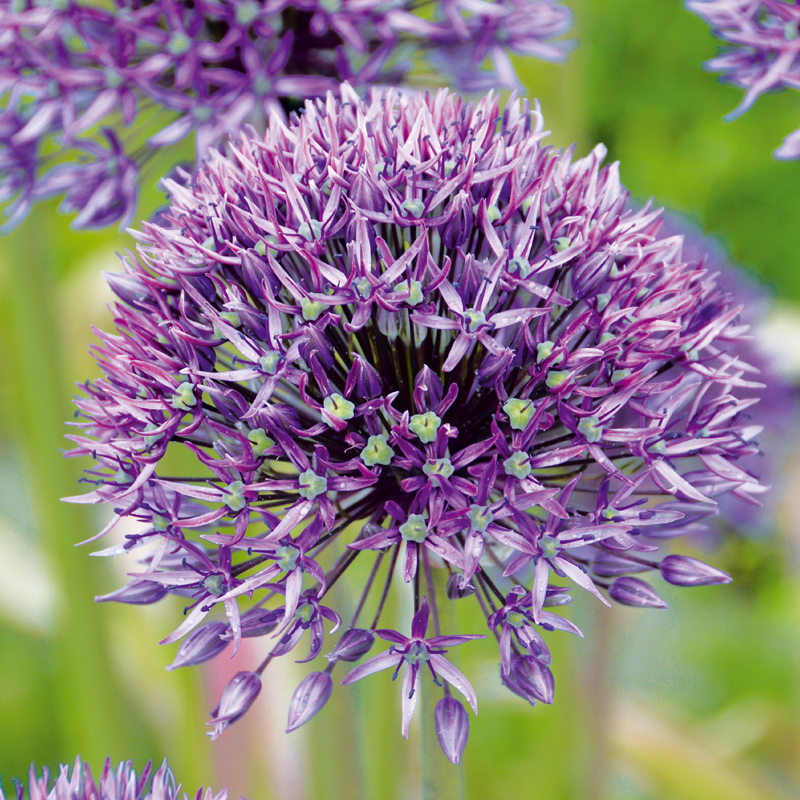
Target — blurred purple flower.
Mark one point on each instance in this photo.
(164, 69)
(764, 51)
(776, 413)
(121, 783)
(405, 328)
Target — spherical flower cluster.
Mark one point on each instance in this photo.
(764, 51)
(403, 331)
(161, 70)
(120, 784)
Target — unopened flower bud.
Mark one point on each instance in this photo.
(558, 596)
(634, 592)
(452, 728)
(610, 565)
(137, 593)
(354, 644)
(200, 645)
(534, 678)
(454, 589)
(309, 698)
(687, 571)
(237, 698)
(256, 622)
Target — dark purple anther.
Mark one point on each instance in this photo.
(687, 571)
(200, 645)
(452, 727)
(309, 698)
(634, 592)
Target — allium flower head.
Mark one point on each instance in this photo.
(404, 332)
(763, 53)
(161, 70)
(121, 783)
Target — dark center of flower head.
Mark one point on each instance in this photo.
(406, 324)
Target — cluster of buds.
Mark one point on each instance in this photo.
(762, 53)
(404, 331)
(167, 68)
(121, 783)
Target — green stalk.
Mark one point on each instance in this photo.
(88, 709)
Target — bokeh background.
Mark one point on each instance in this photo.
(698, 702)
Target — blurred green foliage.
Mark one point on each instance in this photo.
(700, 701)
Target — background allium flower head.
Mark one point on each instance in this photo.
(778, 408)
(161, 70)
(121, 783)
(404, 332)
(764, 51)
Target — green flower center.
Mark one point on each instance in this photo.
(377, 451)
(247, 11)
(517, 465)
(312, 485)
(416, 653)
(236, 500)
(215, 584)
(339, 406)
(521, 265)
(516, 619)
(549, 546)
(310, 230)
(414, 293)
(415, 208)
(312, 308)
(520, 413)
(261, 442)
(591, 428)
(441, 466)
(184, 398)
(414, 528)
(178, 43)
(480, 517)
(474, 319)
(425, 426)
(305, 612)
(286, 558)
(556, 378)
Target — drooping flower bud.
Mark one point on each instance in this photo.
(534, 678)
(137, 593)
(239, 694)
(454, 589)
(452, 727)
(354, 644)
(634, 592)
(309, 698)
(688, 571)
(200, 645)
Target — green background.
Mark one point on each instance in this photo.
(700, 701)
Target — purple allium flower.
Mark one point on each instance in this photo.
(121, 783)
(763, 53)
(405, 331)
(164, 69)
